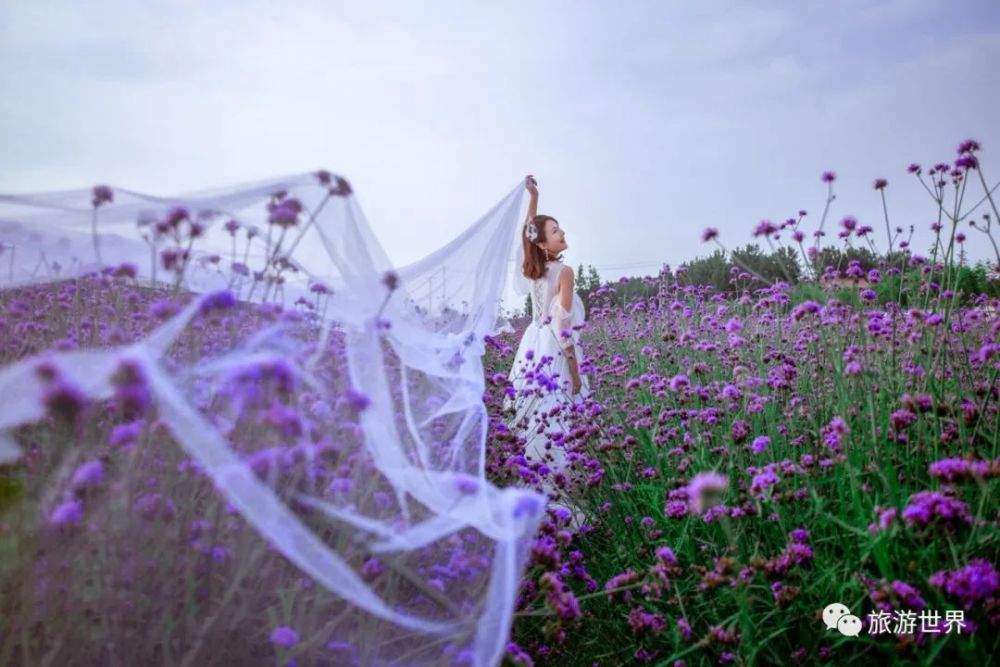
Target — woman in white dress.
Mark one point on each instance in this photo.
(546, 369)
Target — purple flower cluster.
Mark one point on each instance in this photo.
(957, 470)
(88, 474)
(763, 481)
(704, 490)
(834, 433)
(796, 552)
(760, 444)
(284, 636)
(67, 513)
(935, 508)
(976, 582)
(215, 301)
(644, 623)
(284, 213)
(560, 597)
(102, 194)
(897, 595)
(885, 518)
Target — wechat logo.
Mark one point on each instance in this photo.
(839, 617)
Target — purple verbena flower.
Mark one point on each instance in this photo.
(763, 481)
(704, 489)
(955, 469)
(977, 581)
(284, 636)
(102, 195)
(69, 512)
(927, 507)
(221, 300)
(90, 473)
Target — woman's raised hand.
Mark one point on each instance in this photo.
(531, 184)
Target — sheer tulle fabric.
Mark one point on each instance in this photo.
(408, 360)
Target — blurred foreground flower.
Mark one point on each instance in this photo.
(705, 490)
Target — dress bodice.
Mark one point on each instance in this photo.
(547, 308)
(543, 290)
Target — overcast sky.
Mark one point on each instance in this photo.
(644, 122)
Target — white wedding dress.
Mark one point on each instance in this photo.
(544, 380)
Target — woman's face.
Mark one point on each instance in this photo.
(555, 238)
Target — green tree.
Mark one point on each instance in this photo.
(586, 281)
(593, 279)
(781, 264)
(712, 270)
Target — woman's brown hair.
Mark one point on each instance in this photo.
(534, 257)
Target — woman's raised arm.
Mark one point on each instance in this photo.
(532, 186)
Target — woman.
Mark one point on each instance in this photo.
(546, 370)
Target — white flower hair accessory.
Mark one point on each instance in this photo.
(531, 232)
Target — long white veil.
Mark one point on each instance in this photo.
(394, 354)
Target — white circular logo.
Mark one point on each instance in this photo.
(849, 625)
(832, 614)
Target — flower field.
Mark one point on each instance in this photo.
(749, 464)
(741, 465)
(752, 461)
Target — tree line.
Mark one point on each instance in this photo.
(749, 268)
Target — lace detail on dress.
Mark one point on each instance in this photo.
(538, 289)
